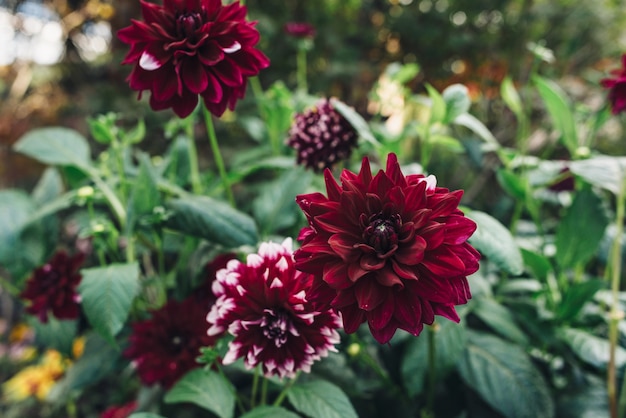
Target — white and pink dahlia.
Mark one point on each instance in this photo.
(263, 304)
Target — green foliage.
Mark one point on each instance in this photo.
(505, 377)
(269, 412)
(320, 399)
(206, 389)
(495, 242)
(55, 146)
(107, 293)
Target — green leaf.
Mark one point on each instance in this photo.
(270, 412)
(495, 242)
(136, 134)
(275, 208)
(500, 319)
(55, 146)
(456, 98)
(437, 105)
(450, 339)
(402, 73)
(605, 172)
(145, 194)
(511, 98)
(558, 107)
(575, 298)
(538, 264)
(356, 120)
(591, 349)
(320, 399)
(505, 377)
(57, 334)
(98, 360)
(278, 108)
(49, 186)
(571, 250)
(213, 220)
(17, 254)
(470, 122)
(107, 294)
(179, 165)
(511, 183)
(207, 389)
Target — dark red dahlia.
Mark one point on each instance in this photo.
(262, 303)
(300, 29)
(322, 136)
(617, 88)
(165, 347)
(120, 411)
(52, 288)
(390, 249)
(187, 48)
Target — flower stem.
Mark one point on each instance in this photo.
(255, 387)
(616, 314)
(301, 70)
(432, 370)
(264, 391)
(281, 397)
(217, 155)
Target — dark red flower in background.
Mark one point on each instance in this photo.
(187, 48)
(165, 347)
(617, 88)
(120, 411)
(52, 288)
(263, 304)
(300, 29)
(321, 136)
(390, 249)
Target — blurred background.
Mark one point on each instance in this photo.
(60, 59)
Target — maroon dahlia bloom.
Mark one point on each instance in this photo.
(165, 347)
(117, 411)
(390, 249)
(617, 88)
(52, 288)
(187, 48)
(322, 136)
(300, 29)
(262, 303)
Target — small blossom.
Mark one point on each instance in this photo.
(52, 288)
(390, 250)
(193, 47)
(300, 29)
(617, 88)
(321, 136)
(165, 347)
(36, 380)
(262, 303)
(120, 411)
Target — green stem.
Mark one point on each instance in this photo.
(264, 391)
(217, 155)
(255, 387)
(112, 199)
(432, 370)
(301, 70)
(616, 314)
(194, 171)
(281, 397)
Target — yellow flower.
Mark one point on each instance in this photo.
(78, 347)
(36, 380)
(20, 333)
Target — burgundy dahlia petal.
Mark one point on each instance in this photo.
(300, 29)
(165, 347)
(201, 47)
(52, 288)
(394, 252)
(617, 88)
(321, 136)
(263, 304)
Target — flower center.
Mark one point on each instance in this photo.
(187, 24)
(382, 233)
(275, 326)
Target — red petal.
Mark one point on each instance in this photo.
(213, 92)
(369, 294)
(352, 318)
(194, 75)
(380, 317)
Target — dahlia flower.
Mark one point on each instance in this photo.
(617, 88)
(187, 48)
(389, 249)
(321, 136)
(300, 29)
(120, 411)
(165, 347)
(262, 303)
(52, 288)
